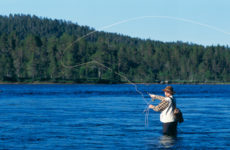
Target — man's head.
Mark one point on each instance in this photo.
(168, 91)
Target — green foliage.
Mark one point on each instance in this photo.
(34, 49)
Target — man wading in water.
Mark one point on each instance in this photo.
(166, 107)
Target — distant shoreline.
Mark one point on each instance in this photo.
(62, 83)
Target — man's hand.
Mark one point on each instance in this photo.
(152, 96)
(151, 106)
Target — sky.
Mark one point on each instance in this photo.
(204, 22)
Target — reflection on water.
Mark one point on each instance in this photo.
(163, 142)
(167, 141)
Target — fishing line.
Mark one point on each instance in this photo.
(122, 22)
(144, 17)
(146, 110)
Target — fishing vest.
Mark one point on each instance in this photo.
(167, 115)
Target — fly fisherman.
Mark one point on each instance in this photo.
(166, 107)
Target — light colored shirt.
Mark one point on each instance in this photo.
(166, 107)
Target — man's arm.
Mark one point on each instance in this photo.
(161, 98)
(160, 107)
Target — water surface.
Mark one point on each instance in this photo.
(110, 117)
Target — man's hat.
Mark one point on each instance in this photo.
(169, 89)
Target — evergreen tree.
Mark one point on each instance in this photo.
(41, 49)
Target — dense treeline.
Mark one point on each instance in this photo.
(35, 49)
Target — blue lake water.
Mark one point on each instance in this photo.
(110, 117)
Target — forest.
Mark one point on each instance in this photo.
(35, 50)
